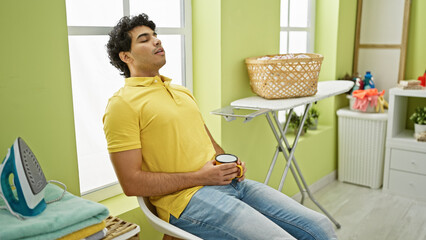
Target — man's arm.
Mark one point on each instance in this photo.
(216, 146)
(135, 182)
(219, 150)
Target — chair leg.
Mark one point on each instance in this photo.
(167, 237)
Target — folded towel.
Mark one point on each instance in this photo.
(85, 232)
(60, 218)
(97, 236)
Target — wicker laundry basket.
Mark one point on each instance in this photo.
(284, 75)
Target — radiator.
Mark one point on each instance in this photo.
(361, 147)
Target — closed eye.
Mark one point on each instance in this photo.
(144, 37)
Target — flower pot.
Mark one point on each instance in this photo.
(419, 128)
(301, 134)
(315, 125)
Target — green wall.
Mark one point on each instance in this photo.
(35, 86)
(249, 28)
(416, 52)
(206, 41)
(416, 44)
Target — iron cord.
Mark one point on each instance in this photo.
(21, 217)
(59, 198)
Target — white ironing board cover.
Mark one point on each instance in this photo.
(325, 89)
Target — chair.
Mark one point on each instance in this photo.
(160, 225)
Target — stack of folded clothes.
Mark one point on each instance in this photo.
(70, 218)
(410, 85)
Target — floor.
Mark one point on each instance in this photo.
(367, 214)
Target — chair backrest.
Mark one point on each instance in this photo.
(160, 225)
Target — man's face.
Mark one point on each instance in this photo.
(146, 52)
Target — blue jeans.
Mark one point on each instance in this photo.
(250, 210)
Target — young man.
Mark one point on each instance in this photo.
(160, 147)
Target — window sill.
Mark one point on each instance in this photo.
(310, 133)
(120, 204)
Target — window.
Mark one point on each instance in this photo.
(297, 26)
(94, 79)
(297, 22)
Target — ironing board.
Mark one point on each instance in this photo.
(269, 108)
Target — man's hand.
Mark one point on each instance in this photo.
(218, 174)
(211, 164)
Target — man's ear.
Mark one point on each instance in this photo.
(125, 57)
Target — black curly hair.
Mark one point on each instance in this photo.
(120, 40)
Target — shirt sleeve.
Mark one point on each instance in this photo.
(121, 126)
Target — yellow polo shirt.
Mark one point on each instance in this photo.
(164, 121)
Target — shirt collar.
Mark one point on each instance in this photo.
(146, 81)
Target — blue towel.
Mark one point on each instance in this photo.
(60, 218)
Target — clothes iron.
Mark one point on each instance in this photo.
(28, 178)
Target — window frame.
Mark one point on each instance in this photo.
(310, 29)
(113, 189)
(310, 41)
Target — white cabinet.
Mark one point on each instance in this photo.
(405, 158)
(361, 144)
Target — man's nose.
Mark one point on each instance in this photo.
(157, 41)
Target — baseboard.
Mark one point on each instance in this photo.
(318, 185)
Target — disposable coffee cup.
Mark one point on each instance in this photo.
(228, 158)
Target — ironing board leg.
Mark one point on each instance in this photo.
(271, 167)
(279, 140)
(308, 191)
(302, 191)
(283, 150)
(291, 158)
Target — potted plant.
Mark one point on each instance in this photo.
(419, 119)
(313, 115)
(295, 123)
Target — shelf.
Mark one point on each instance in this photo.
(406, 134)
(405, 140)
(402, 149)
(408, 93)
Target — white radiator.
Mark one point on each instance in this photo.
(361, 144)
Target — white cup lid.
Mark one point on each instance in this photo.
(226, 158)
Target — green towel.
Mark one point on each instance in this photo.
(60, 218)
